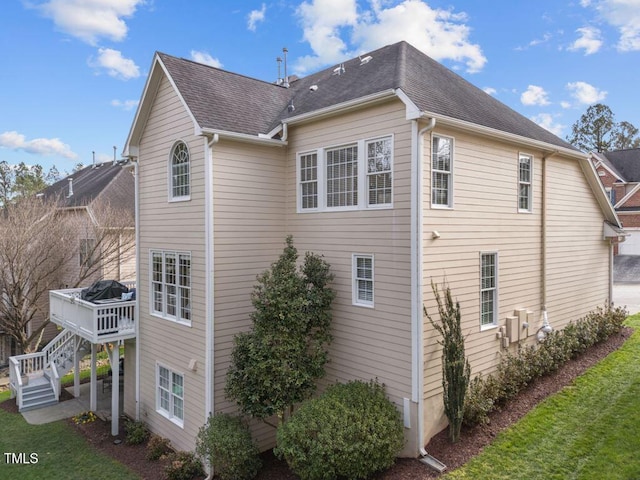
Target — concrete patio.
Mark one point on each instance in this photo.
(75, 406)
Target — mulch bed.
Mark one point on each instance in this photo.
(472, 440)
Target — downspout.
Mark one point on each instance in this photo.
(136, 177)
(209, 283)
(285, 132)
(546, 327)
(417, 258)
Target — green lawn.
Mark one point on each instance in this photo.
(61, 452)
(589, 430)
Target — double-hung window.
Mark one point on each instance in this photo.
(525, 177)
(363, 280)
(353, 176)
(442, 172)
(488, 289)
(342, 176)
(309, 181)
(179, 173)
(171, 285)
(379, 171)
(170, 396)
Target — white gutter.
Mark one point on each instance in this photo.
(240, 137)
(417, 258)
(508, 137)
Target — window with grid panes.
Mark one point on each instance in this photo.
(309, 181)
(379, 168)
(342, 176)
(525, 165)
(441, 172)
(180, 177)
(170, 401)
(488, 289)
(171, 285)
(363, 280)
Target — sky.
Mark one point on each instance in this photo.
(73, 71)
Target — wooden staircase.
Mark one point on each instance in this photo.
(35, 377)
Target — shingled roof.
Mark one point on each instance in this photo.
(626, 162)
(109, 181)
(226, 101)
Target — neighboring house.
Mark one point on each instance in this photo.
(400, 173)
(87, 191)
(619, 172)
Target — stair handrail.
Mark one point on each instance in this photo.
(55, 379)
(15, 380)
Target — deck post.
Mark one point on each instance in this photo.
(76, 366)
(115, 388)
(93, 391)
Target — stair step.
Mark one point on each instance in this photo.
(40, 404)
(34, 396)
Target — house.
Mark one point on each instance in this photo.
(98, 203)
(619, 172)
(400, 173)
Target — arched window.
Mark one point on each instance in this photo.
(179, 172)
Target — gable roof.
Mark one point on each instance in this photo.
(219, 100)
(109, 181)
(625, 162)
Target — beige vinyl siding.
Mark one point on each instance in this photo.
(578, 259)
(249, 218)
(172, 226)
(368, 342)
(485, 219)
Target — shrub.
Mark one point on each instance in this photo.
(456, 370)
(516, 371)
(350, 431)
(137, 432)
(157, 447)
(225, 441)
(183, 466)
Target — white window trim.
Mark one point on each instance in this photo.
(169, 414)
(496, 308)
(354, 284)
(163, 315)
(363, 186)
(530, 209)
(437, 206)
(171, 198)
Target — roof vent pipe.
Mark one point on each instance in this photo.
(286, 76)
(70, 193)
(279, 80)
(114, 155)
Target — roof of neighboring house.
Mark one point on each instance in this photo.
(608, 165)
(109, 180)
(221, 100)
(625, 162)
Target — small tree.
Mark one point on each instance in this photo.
(39, 247)
(456, 370)
(277, 363)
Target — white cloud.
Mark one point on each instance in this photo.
(204, 57)
(90, 20)
(125, 105)
(256, 16)
(590, 40)
(585, 93)
(565, 105)
(534, 95)
(328, 24)
(38, 146)
(490, 90)
(625, 16)
(115, 64)
(547, 121)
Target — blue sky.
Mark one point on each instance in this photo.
(73, 71)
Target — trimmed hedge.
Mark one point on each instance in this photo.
(517, 370)
(350, 431)
(225, 441)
